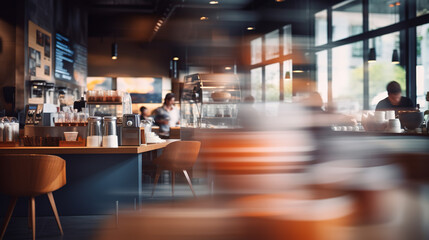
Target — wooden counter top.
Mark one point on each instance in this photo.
(85, 150)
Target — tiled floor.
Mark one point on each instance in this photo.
(87, 227)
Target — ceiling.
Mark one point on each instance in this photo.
(211, 40)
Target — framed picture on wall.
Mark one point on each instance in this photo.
(142, 89)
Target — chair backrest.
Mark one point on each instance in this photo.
(179, 155)
(31, 174)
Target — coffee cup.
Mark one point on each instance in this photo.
(380, 116)
(390, 115)
(394, 126)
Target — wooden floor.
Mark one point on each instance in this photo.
(85, 227)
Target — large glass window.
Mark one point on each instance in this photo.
(383, 13)
(382, 71)
(272, 82)
(272, 45)
(321, 27)
(347, 78)
(287, 39)
(256, 83)
(256, 51)
(287, 80)
(322, 74)
(346, 19)
(422, 67)
(422, 7)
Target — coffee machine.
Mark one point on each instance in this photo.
(40, 114)
(130, 133)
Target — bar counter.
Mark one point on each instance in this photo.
(84, 150)
(97, 179)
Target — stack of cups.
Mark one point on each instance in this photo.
(110, 138)
(394, 125)
(94, 132)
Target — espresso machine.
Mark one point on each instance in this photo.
(40, 114)
(130, 131)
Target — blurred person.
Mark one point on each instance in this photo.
(394, 100)
(144, 113)
(314, 102)
(167, 115)
(247, 115)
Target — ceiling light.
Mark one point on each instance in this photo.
(214, 2)
(203, 18)
(287, 75)
(372, 57)
(114, 51)
(250, 28)
(297, 71)
(176, 58)
(228, 68)
(280, 0)
(395, 57)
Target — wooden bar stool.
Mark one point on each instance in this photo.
(177, 156)
(31, 175)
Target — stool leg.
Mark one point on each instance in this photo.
(29, 214)
(33, 216)
(54, 209)
(8, 216)
(172, 182)
(158, 172)
(189, 182)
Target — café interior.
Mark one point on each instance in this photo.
(227, 119)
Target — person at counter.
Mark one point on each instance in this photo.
(144, 113)
(394, 100)
(167, 115)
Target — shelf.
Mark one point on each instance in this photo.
(226, 118)
(104, 103)
(221, 103)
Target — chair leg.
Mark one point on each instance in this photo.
(172, 182)
(8, 216)
(29, 214)
(54, 209)
(33, 217)
(189, 182)
(158, 172)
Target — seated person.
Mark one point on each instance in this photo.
(144, 113)
(394, 100)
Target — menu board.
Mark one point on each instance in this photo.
(64, 58)
(39, 52)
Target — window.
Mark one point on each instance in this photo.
(272, 45)
(287, 80)
(383, 13)
(272, 61)
(256, 51)
(321, 27)
(322, 74)
(422, 7)
(287, 39)
(422, 66)
(272, 82)
(347, 78)
(256, 83)
(382, 71)
(347, 19)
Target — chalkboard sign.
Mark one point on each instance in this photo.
(64, 58)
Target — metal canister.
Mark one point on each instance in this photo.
(94, 126)
(109, 126)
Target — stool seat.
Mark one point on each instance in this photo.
(31, 175)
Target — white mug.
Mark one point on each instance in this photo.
(390, 114)
(380, 116)
(394, 126)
